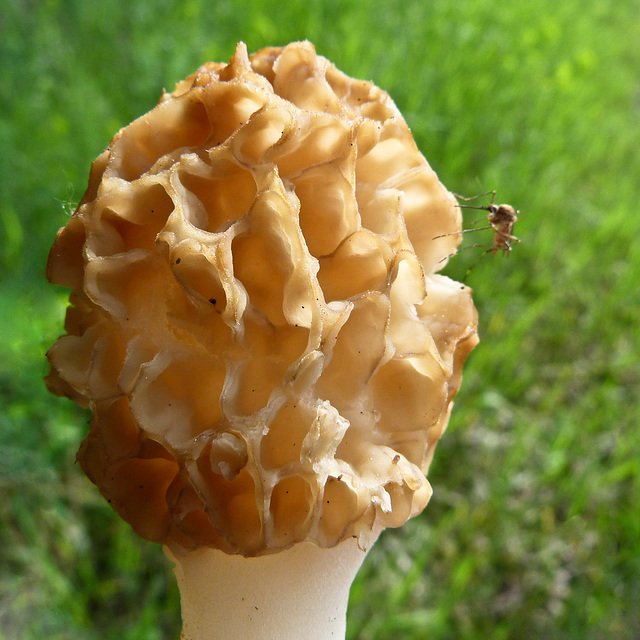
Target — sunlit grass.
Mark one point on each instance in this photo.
(533, 529)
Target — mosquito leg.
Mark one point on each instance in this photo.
(455, 233)
(478, 220)
(475, 262)
(471, 246)
(481, 195)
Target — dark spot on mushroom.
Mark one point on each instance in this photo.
(212, 300)
(178, 260)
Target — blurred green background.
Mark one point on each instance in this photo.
(534, 527)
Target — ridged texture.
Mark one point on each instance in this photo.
(255, 320)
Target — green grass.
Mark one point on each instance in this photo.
(533, 530)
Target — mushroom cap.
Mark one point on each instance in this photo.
(256, 321)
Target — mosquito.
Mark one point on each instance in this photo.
(501, 219)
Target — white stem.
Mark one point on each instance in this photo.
(299, 593)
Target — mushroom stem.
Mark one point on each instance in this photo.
(301, 592)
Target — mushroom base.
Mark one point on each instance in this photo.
(301, 592)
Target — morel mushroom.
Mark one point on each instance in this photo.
(257, 325)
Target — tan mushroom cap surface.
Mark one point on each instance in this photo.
(256, 321)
